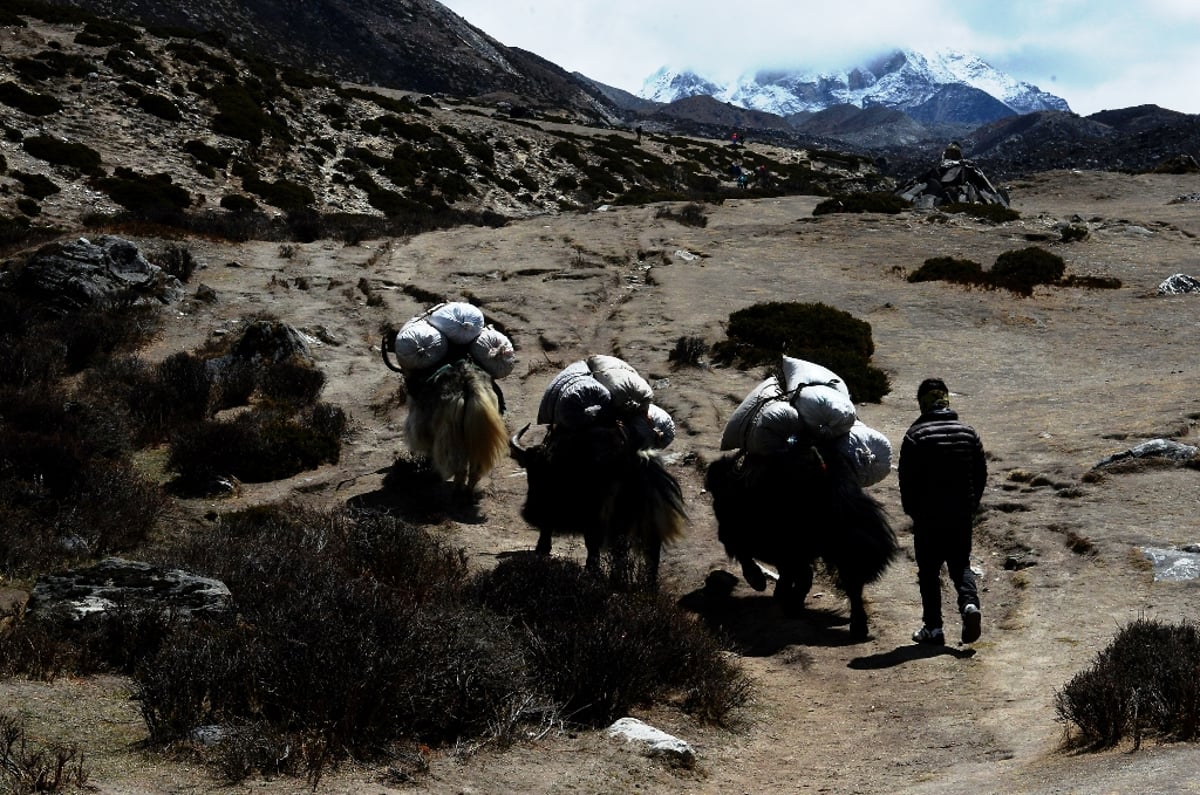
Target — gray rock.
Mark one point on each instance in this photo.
(82, 274)
(1155, 448)
(1175, 565)
(655, 742)
(114, 582)
(1178, 284)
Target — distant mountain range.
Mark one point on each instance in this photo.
(944, 87)
(901, 108)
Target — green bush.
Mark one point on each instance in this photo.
(863, 202)
(949, 269)
(160, 106)
(1146, 683)
(150, 196)
(36, 185)
(1020, 271)
(14, 96)
(760, 334)
(282, 193)
(63, 153)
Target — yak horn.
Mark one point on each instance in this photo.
(519, 453)
(383, 348)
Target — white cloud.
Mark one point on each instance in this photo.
(1094, 53)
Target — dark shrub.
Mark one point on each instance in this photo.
(600, 654)
(14, 96)
(688, 351)
(63, 153)
(1020, 271)
(36, 185)
(150, 196)
(240, 115)
(236, 203)
(292, 383)
(949, 269)
(258, 446)
(177, 260)
(1074, 232)
(691, 214)
(868, 202)
(1146, 683)
(27, 765)
(760, 334)
(282, 193)
(371, 647)
(160, 106)
(1093, 282)
(204, 153)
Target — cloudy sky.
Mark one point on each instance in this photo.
(1095, 54)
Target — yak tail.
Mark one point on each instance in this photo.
(663, 516)
(864, 544)
(469, 438)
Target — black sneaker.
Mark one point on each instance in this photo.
(972, 623)
(930, 637)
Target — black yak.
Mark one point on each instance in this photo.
(454, 418)
(597, 472)
(795, 507)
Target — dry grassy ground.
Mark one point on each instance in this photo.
(1053, 383)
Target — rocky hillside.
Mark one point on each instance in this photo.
(418, 45)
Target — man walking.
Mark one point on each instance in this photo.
(942, 477)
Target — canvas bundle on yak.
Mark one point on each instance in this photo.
(792, 491)
(597, 471)
(450, 360)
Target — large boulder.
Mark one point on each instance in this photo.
(84, 274)
(116, 582)
(1179, 284)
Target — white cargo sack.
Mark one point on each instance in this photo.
(825, 411)
(798, 372)
(763, 422)
(868, 452)
(459, 321)
(546, 409)
(776, 428)
(574, 398)
(630, 392)
(419, 345)
(493, 351)
(662, 427)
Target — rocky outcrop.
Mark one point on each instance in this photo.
(131, 585)
(953, 181)
(101, 274)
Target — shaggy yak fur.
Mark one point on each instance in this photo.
(596, 483)
(454, 420)
(794, 508)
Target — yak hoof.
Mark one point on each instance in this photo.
(858, 630)
(754, 575)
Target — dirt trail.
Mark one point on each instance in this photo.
(1053, 383)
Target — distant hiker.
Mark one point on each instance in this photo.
(763, 175)
(942, 477)
(737, 175)
(638, 130)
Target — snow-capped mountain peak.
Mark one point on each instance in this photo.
(907, 80)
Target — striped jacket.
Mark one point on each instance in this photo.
(942, 468)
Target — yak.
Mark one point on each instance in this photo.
(454, 418)
(793, 508)
(603, 483)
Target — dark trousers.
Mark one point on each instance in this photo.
(936, 543)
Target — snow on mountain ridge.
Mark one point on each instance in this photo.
(902, 79)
